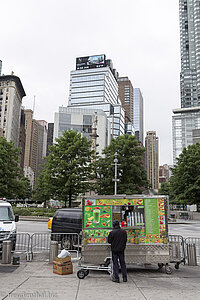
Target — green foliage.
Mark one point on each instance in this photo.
(164, 189)
(30, 211)
(185, 179)
(131, 173)
(12, 183)
(67, 168)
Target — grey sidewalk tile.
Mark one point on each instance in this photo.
(152, 294)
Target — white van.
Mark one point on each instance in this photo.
(7, 224)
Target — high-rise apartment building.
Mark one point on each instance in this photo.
(152, 159)
(189, 11)
(22, 140)
(11, 94)
(93, 85)
(138, 114)
(126, 97)
(50, 136)
(186, 119)
(35, 147)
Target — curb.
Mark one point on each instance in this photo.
(31, 218)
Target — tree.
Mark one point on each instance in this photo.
(131, 173)
(164, 188)
(42, 192)
(185, 179)
(12, 183)
(67, 168)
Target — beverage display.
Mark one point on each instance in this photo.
(96, 214)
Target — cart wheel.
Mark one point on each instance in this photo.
(81, 274)
(86, 272)
(160, 265)
(176, 266)
(168, 270)
(107, 262)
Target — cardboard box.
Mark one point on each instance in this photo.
(62, 269)
(63, 260)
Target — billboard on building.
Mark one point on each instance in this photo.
(90, 62)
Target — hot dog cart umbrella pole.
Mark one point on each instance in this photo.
(143, 217)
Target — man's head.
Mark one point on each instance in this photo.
(116, 224)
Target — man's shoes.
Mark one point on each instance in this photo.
(125, 279)
(116, 280)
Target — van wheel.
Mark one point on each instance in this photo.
(66, 243)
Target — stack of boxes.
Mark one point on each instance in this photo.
(63, 266)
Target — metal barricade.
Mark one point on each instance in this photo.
(23, 244)
(41, 242)
(196, 242)
(177, 249)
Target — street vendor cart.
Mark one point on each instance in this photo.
(143, 217)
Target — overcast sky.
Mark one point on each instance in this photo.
(40, 40)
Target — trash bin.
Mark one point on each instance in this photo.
(6, 252)
(53, 251)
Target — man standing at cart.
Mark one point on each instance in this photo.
(118, 238)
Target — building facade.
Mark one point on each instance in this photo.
(49, 136)
(189, 12)
(138, 114)
(82, 120)
(93, 85)
(35, 147)
(163, 174)
(186, 120)
(11, 94)
(152, 159)
(126, 97)
(0, 67)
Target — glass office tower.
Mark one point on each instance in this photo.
(186, 120)
(93, 85)
(189, 11)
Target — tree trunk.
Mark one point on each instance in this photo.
(70, 198)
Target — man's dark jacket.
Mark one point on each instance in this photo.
(117, 238)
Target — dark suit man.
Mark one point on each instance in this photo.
(118, 238)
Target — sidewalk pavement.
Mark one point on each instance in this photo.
(36, 280)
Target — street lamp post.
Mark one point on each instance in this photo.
(115, 179)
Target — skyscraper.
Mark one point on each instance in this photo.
(11, 94)
(93, 85)
(35, 147)
(189, 11)
(126, 97)
(152, 159)
(187, 119)
(138, 114)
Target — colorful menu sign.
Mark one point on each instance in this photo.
(151, 216)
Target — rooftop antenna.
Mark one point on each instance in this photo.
(33, 104)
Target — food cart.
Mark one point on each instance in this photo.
(143, 217)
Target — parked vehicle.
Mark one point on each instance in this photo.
(67, 220)
(50, 223)
(7, 224)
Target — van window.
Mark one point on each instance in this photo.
(6, 213)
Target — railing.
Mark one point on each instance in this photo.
(177, 248)
(196, 242)
(41, 242)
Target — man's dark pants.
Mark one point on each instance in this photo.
(115, 257)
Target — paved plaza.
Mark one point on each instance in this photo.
(36, 280)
